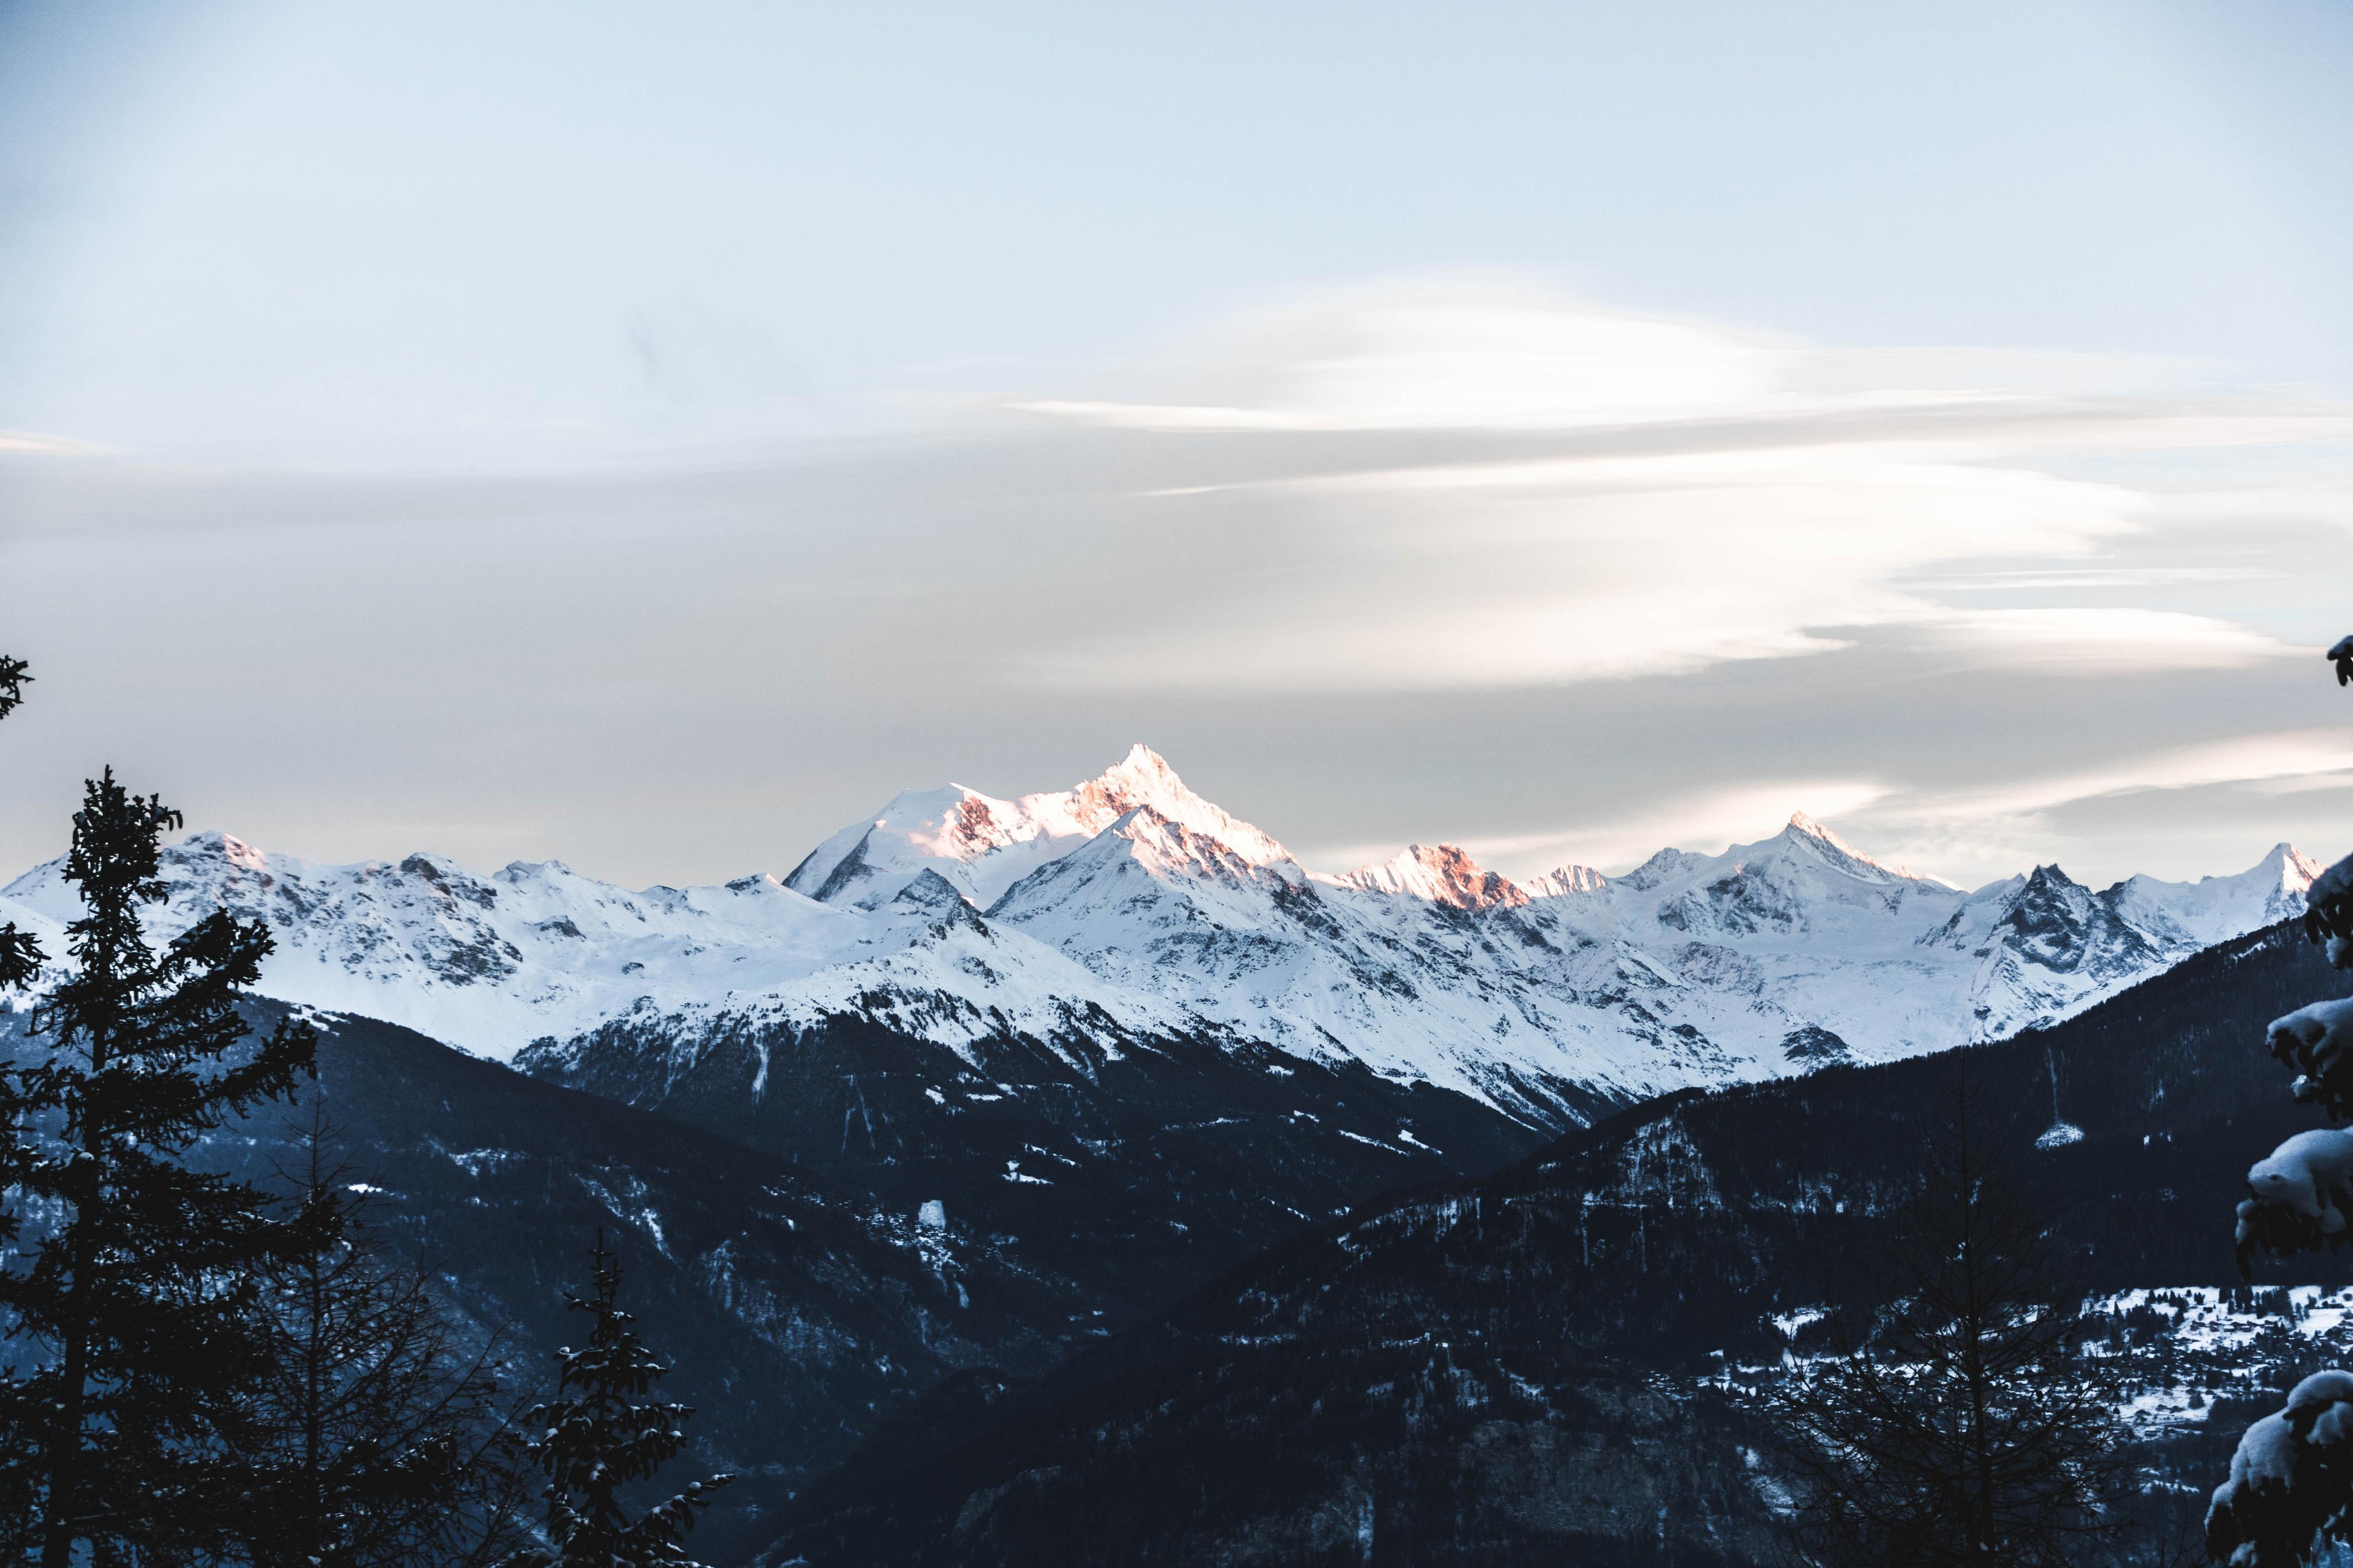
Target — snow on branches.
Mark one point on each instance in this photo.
(2328, 908)
(2317, 1042)
(597, 1437)
(2299, 1197)
(2291, 1480)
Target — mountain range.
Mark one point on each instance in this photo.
(982, 1087)
(1115, 1041)
(1129, 904)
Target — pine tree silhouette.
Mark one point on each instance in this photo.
(596, 1439)
(15, 676)
(374, 1436)
(137, 1303)
(20, 956)
(20, 965)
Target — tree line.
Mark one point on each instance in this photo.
(195, 1370)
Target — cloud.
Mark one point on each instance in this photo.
(1450, 356)
(2088, 640)
(31, 441)
(1900, 822)
(2272, 759)
(1471, 485)
(1398, 604)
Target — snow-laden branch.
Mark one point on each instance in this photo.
(2328, 909)
(2317, 1042)
(2299, 1197)
(2291, 1480)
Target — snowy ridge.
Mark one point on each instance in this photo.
(537, 950)
(1131, 902)
(982, 845)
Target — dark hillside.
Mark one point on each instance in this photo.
(1518, 1369)
(1137, 1167)
(794, 1316)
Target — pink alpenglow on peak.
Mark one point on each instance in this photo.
(1144, 778)
(982, 845)
(1442, 874)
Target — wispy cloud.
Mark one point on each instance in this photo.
(2273, 758)
(1564, 494)
(1908, 823)
(33, 441)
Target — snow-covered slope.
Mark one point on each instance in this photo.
(1132, 902)
(489, 964)
(982, 846)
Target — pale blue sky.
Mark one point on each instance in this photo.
(653, 434)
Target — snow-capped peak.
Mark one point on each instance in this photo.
(1804, 824)
(1442, 874)
(1144, 778)
(1564, 881)
(1804, 831)
(1129, 897)
(982, 845)
(2214, 908)
(236, 851)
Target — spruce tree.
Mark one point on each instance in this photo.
(20, 965)
(136, 1312)
(20, 956)
(375, 1434)
(596, 1439)
(15, 676)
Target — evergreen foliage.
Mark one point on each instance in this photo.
(135, 1313)
(20, 956)
(2290, 1488)
(1968, 1428)
(15, 676)
(375, 1436)
(597, 1437)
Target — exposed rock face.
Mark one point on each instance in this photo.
(1815, 1047)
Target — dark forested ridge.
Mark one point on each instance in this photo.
(794, 1316)
(1135, 1167)
(1519, 1368)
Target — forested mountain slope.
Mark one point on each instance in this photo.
(1548, 1360)
(795, 1315)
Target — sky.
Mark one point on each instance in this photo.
(653, 435)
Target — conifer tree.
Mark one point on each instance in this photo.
(135, 1311)
(1966, 1428)
(596, 1439)
(20, 965)
(15, 676)
(373, 1435)
(20, 956)
(2290, 1488)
